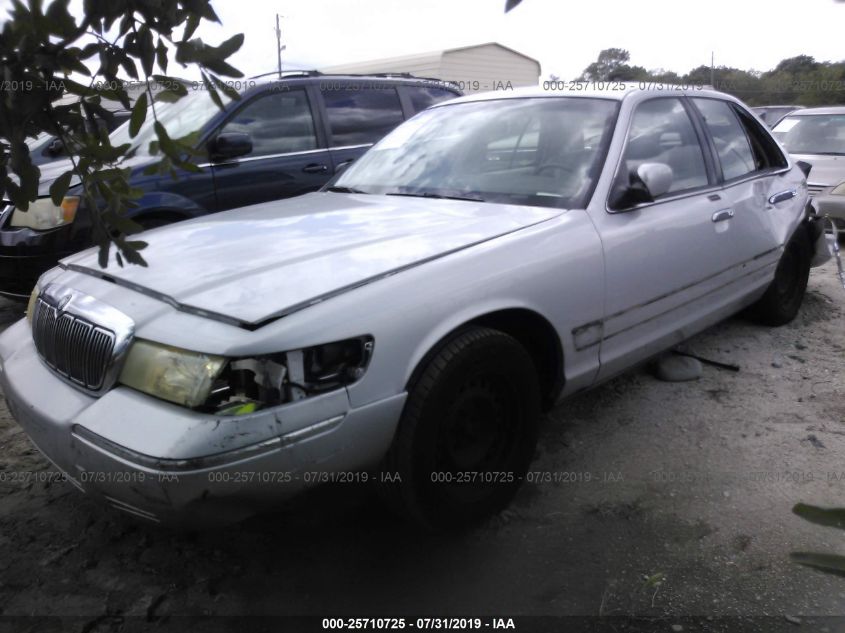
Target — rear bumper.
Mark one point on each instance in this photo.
(168, 464)
(834, 206)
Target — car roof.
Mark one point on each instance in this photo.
(305, 76)
(617, 91)
(825, 110)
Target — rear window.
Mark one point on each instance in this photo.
(360, 116)
(423, 97)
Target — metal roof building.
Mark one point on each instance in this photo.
(476, 68)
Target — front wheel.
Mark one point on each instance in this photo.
(468, 432)
(782, 300)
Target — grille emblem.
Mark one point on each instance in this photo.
(63, 303)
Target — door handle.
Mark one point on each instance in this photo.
(724, 214)
(782, 196)
(315, 168)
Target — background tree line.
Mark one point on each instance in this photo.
(796, 80)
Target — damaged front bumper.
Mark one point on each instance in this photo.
(169, 464)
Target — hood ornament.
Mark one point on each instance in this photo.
(63, 303)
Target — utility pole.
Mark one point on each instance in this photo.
(712, 70)
(279, 47)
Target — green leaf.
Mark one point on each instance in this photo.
(828, 517)
(139, 115)
(227, 89)
(161, 55)
(222, 68)
(212, 91)
(60, 21)
(172, 89)
(164, 140)
(829, 563)
(191, 25)
(231, 45)
(59, 187)
(145, 46)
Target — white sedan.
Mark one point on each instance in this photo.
(409, 323)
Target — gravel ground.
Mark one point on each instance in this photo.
(688, 484)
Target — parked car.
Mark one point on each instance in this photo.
(407, 324)
(46, 148)
(281, 139)
(817, 136)
(771, 115)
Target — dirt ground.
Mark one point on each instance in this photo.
(687, 484)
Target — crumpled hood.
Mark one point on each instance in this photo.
(827, 170)
(266, 260)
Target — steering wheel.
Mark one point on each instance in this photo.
(560, 166)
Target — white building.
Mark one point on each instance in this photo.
(476, 68)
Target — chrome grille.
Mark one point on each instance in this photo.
(72, 346)
(815, 190)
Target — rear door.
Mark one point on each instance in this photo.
(753, 171)
(288, 155)
(358, 115)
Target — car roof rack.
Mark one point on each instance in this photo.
(289, 73)
(395, 76)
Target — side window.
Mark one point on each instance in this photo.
(662, 132)
(358, 116)
(732, 144)
(424, 96)
(767, 154)
(279, 123)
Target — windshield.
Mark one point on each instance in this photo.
(536, 151)
(812, 134)
(187, 115)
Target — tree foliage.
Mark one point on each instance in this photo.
(799, 80)
(44, 53)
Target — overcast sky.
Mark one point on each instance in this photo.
(564, 36)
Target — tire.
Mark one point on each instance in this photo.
(467, 434)
(782, 300)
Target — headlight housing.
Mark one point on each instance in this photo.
(238, 386)
(43, 214)
(839, 190)
(170, 373)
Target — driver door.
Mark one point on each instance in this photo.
(664, 260)
(287, 157)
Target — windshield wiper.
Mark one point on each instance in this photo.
(441, 196)
(345, 190)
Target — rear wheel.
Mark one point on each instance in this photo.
(782, 300)
(468, 431)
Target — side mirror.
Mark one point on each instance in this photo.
(230, 145)
(645, 184)
(805, 168)
(656, 177)
(54, 148)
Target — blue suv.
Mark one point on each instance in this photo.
(283, 138)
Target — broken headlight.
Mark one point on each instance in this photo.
(237, 386)
(249, 384)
